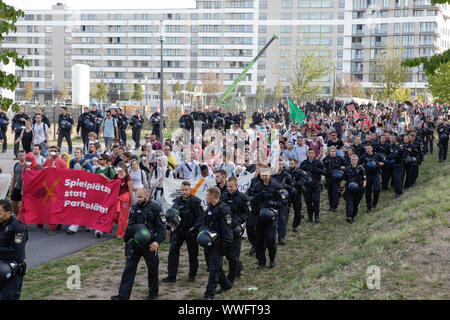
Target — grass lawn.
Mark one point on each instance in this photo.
(407, 238)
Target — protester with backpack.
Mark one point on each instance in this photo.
(109, 130)
(40, 134)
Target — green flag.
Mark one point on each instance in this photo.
(297, 115)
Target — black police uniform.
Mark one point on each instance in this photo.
(385, 149)
(373, 183)
(151, 215)
(442, 141)
(398, 169)
(87, 125)
(217, 219)
(295, 195)
(17, 126)
(418, 147)
(238, 203)
(64, 130)
(186, 122)
(3, 130)
(353, 198)
(266, 196)
(98, 119)
(316, 169)
(257, 118)
(251, 223)
(285, 180)
(191, 214)
(333, 164)
(427, 137)
(122, 123)
(13, 237)
(154, 122)
(412, 158)
(243, 117)
(136, 124)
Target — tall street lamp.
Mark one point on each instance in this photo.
(161, 96)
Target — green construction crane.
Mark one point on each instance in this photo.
(225, 95)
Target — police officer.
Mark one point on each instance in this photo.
(412, 156)
(295, 194)
(186, 122)
(372, 163)
(217, 219)
(257, 117)
(355, 182)
(122, 123)
(13, 237)
(191, 214)
(136, 123)
(443, 131)
(418, 146)
(18, 123)
(150, 214)
(398, 169)
(428, 137)
(266, 196)
(383, 149)
(388, 168)
(4, 121)
(251, 223)
(155, 118)
(333, 164)
(98, 118)
(65, 127)
(238, 203)
(221, 181)
(86, 123)
(285, 180)
(315, 169)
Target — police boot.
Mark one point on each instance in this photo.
(252, 250)
(316, 218)
(310, 217)
(169, 280)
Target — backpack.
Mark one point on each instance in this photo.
(43, 124)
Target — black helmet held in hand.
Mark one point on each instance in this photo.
(207, 238)
(238, 231)
(6, 272)
(267, 214)
(173, 218)
(141, 236)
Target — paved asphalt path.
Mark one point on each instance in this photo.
(41, 247)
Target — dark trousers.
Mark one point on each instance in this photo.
(251, 228)
(409, 175)
(397, 177)
(155, 131)
(353, 199)
(11, 289)
(372, 186)
(386, 175)
(312, 199)
(443, 150)
(333, 193)
(65, 134)
(216, 273)
(134, 254)
(234, 264)
(266, 233)
(16, 145)
(295, 197)
(427, 144)
(5, 139)
(283, 221)
(176, 241)
(123, 135)
(416, 172)
(136, 135)
(84, 138)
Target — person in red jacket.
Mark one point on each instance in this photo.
(55, 160)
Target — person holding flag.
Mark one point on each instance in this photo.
(297, 115)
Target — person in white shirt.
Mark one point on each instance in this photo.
(301, 149)
(188, 169)
(40, 134)
(138, 176)
(156, 182)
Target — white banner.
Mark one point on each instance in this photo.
(5, 182)
(172, 188)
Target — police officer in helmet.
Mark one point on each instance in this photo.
(217, 220)
(149, 214)
(191, 214)
(372, 163)
(13, 237)
(65, 128)
(238, 203)
(354, 182)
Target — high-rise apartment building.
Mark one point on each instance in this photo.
(221, 37)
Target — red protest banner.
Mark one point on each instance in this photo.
(64, 196)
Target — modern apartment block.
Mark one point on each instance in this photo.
(123, 46)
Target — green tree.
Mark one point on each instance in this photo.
(305, 70)
(101, 93)
(260, 94)
(190, 86)
(8, 19)
(64, 92)
(176, 89)
(129, 90)
(138, 93)
(93, 91)
(438, 84)
(165, 91)
(28, 91)
(389, 71)
(268, 96)
(402, 94)
(278, 91)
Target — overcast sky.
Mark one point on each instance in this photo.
(102, 4)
